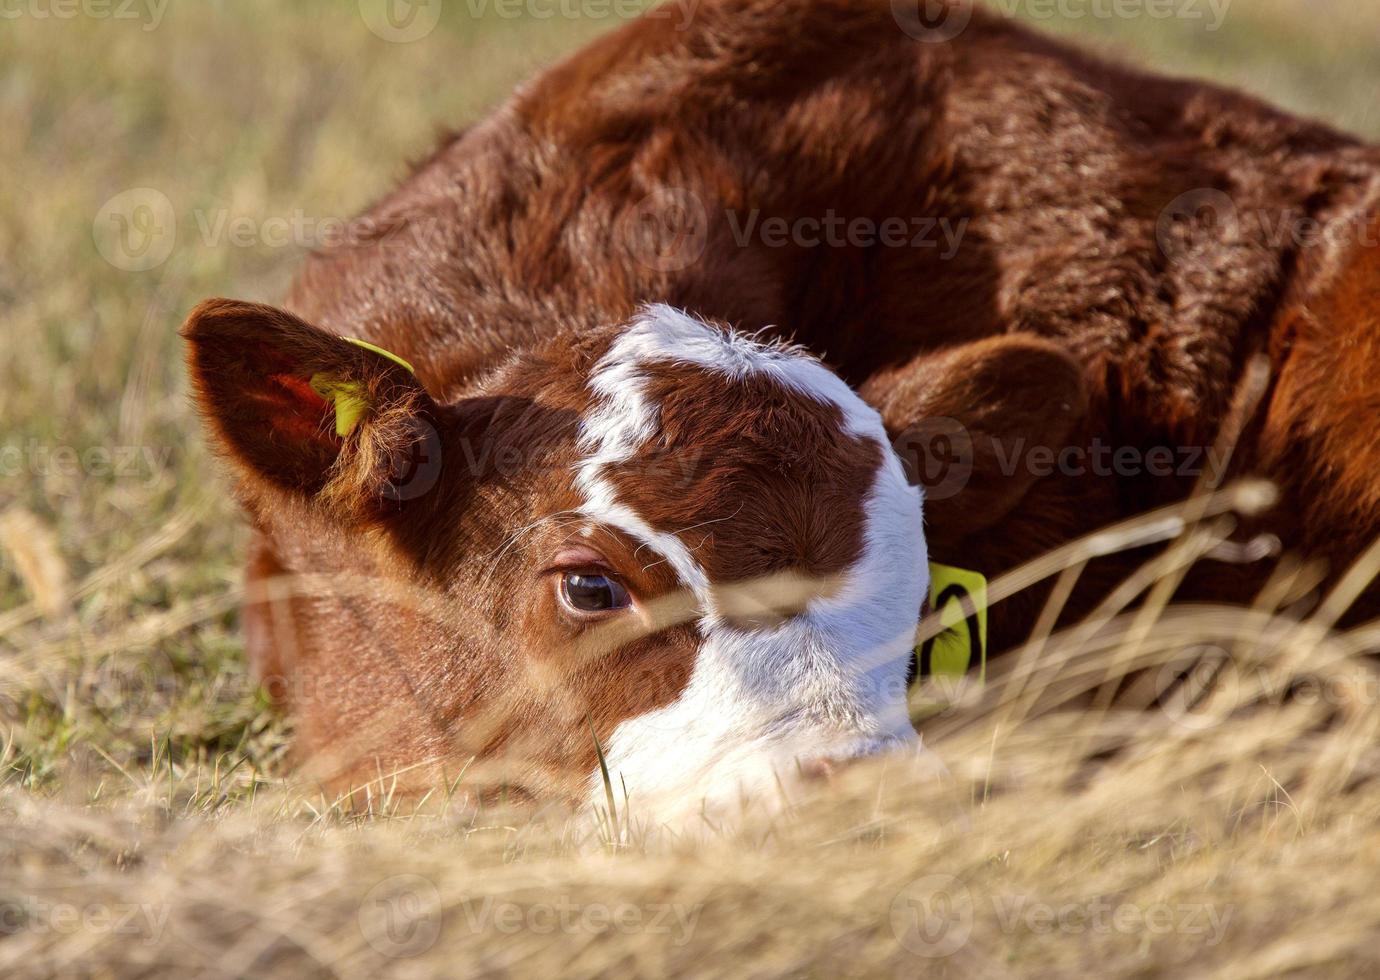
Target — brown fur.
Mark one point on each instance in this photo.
(754, 469)
(1072, 313)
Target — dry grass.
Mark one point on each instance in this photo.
(151, 826)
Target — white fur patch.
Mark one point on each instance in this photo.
(829, 682)
(620, 423)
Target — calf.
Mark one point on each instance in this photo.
(589, 499)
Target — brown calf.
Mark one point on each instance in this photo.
(590, 517)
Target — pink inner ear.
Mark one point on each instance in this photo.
(297, 412)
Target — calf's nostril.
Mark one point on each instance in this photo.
(827, 767)
(824, 768)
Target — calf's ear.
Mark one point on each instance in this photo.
(302, 412)
(967, 420)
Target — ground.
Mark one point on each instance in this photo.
(155, 154)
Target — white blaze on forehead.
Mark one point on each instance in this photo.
(663, 334)
(621, 421)
(828, 682)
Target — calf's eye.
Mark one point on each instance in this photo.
(592, 593)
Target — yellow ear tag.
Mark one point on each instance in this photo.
(348, 397)
(960, 598)
(379, 350)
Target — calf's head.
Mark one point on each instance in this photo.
(661, 542)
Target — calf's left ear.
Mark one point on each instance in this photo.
(302, 413)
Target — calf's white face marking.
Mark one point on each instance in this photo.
(829, 682)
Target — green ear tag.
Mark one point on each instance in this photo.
(962, 646)
(349, 398)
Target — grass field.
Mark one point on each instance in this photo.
(148, 821)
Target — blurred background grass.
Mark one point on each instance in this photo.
(120, 663)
